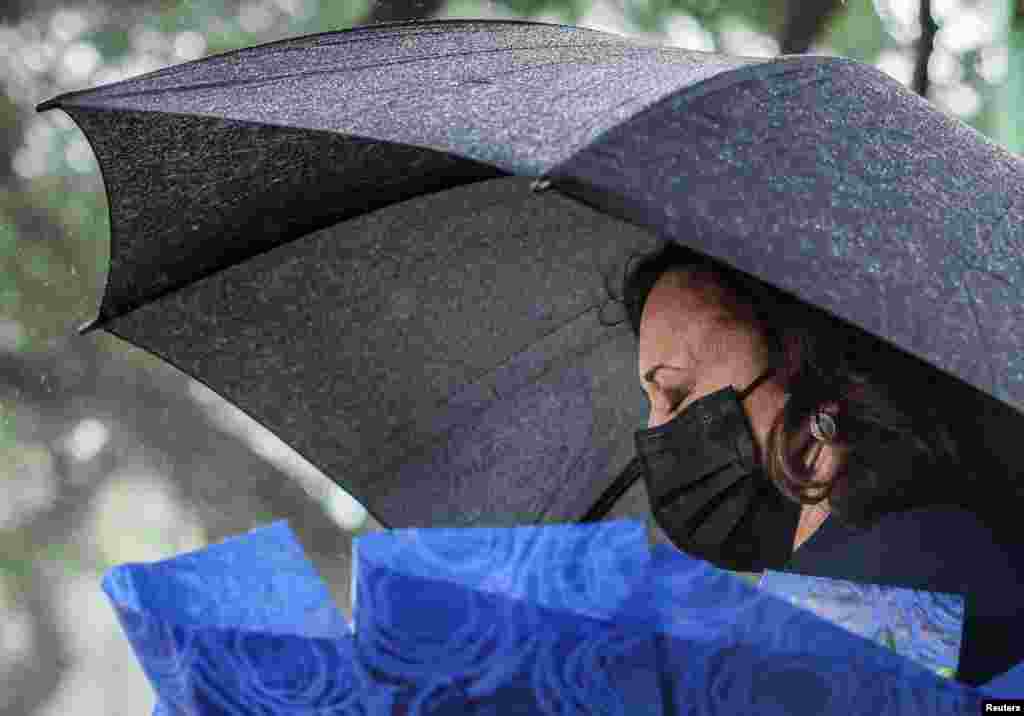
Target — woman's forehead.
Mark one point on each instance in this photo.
(677, 296)
(682, 308)
(673, 311)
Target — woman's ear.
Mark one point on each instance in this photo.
(826, 459)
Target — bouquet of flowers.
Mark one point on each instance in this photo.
(562, 619)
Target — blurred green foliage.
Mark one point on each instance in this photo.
(857, 32)
(111, 41)
(186, 15)
(339, 15)
(1008, 97)
(72, 557)
(45, 275)
(8, 426)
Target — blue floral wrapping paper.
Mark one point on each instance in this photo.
(563, 619)
(926, 627)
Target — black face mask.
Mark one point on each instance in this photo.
(706, 490)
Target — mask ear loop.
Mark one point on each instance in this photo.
(750, 388)
(630, 474)
(823, 425)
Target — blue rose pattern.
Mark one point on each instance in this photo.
(557, 620)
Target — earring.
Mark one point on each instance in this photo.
(823, 427)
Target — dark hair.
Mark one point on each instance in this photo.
(899, 445)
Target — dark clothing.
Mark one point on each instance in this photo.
(936, 548)
(940, 549)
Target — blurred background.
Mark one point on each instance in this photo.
(108, 455)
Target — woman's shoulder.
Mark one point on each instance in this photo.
(938, 547)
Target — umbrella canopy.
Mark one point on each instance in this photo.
(341, 234)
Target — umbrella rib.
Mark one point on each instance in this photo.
(564, 483)
(971, 301)
(599, 115)
(539, 339)
(967, 264)
(406, 89)
(493, 390)
(232, 84)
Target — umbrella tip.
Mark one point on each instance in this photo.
(48, 104)
(88, 326)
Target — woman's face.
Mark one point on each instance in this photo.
(705, 339)
(708, 340)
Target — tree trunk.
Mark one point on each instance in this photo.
(925, 47)
(805, 21)
(394, 10)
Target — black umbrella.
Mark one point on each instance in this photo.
(388, 244)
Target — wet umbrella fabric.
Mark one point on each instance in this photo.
(338, 234)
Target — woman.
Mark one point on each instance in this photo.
(702, 326)
(846, 441)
